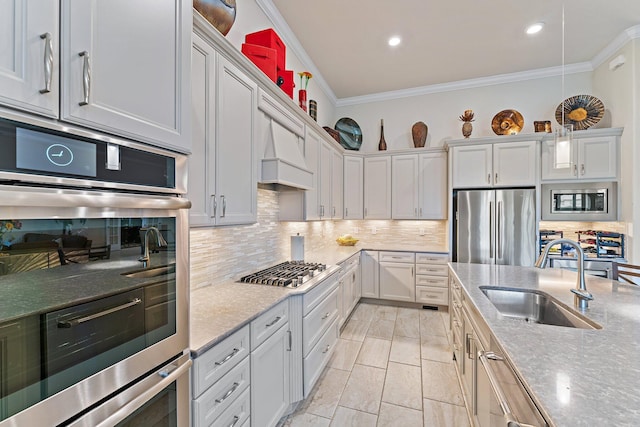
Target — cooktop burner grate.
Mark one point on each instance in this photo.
(288, 273)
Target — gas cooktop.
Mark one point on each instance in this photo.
(289, 274)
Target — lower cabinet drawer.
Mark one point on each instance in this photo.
(426, 280)
(221, 395)
(319, 356)
(397, 257)
(316, 323)
(212, 365)
(237, 414)
(432, 295)
(268, 323)
(433, 269)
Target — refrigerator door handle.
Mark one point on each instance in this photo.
(491, 241)
(499, 231)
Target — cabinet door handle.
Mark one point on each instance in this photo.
(575, 170)
(488, 178)
(290, 341)
(326, 349)
(48, 62)
(411, 271)
(228, 393)
(346, 212)
(228, 357)
(224, 206)
(420, 212)
(334, 211)
(86, 77)
(276, 320)
(582, 169)
(365, 212)
(214, 206)
(325, 315)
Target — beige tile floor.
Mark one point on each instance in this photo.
(392, 367)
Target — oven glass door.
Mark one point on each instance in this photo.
(76, 299)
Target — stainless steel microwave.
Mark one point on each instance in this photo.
(597, 201)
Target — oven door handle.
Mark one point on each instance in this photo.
(79, 320)
(484, 357)
(169, 373)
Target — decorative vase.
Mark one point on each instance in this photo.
(220, 13)
(313, 109)
(382, 145)
(467, 128)
(302, 99)
(419, 132)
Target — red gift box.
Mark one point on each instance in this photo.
(263, 57)
(288, 83)
(269, 38)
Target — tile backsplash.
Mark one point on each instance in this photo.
(225, 253)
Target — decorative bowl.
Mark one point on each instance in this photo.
(346, 242)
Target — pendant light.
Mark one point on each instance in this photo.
(564, 134)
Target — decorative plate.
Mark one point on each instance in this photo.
(581, 111)
(507, 122)
(350, 133)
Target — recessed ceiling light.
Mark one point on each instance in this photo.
(535, 28)
(394, 41)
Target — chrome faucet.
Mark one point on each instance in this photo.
(145, 258)
(582, 296)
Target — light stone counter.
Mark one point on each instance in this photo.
(579, 377)
(219, 310)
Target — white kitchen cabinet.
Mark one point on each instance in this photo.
(432, 278)
(592, 158)
(337, 184)
(397, 276)
(377, 187)
(222, 97)
(29, 56)
(494, 165)
(325, 186)
(419, 186)
(126, 69)
(353, 187)
(271, 345)
(404, 186)
(370, 280)
(352, 290)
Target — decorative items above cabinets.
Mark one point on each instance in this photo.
(581, 111)
(266, 61)
(507, 122)
(302, 93)
(220, 13)
(382, 145)
(419, 132)
(350, 133)
(467, 127)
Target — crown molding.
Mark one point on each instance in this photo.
(292, 42)
(581, 67)
(618, 43)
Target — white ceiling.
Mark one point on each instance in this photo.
(446, 41)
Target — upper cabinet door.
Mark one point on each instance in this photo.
(472, 166)
(353, 187)
(337, 184)
(598, 157)
(404, 186)
(29, 53)
(514, 164)
(432, 179)
(326, 161)
(126, 68)
(377, 187)
(236, 166)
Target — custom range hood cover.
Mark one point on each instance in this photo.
(283, 161)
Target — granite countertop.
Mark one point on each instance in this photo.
(218, 310)
(580, 377)
(46, 290)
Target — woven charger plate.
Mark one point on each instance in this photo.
(581, 111)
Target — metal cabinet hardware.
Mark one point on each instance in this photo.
(214, 205)
(276, 320)
(235, 421)
(228, 357)
(224, 206)
(290, 341)
(228, 393)
(48, 62)
(86, 77)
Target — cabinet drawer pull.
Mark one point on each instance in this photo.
(229, 356)
(276, 320)
(86, 77)
(326, 349)
(235, 421)
(228, 393)
(325, 316)
(431, 296)
(48, 62)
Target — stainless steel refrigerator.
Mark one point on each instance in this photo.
(495, 226)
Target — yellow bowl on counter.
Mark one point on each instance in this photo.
(346, 242)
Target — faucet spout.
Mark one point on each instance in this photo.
(582, 296)
(159, 241)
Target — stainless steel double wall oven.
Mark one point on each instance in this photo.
(93, 279)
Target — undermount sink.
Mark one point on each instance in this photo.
(536, 307)
(161, 270)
